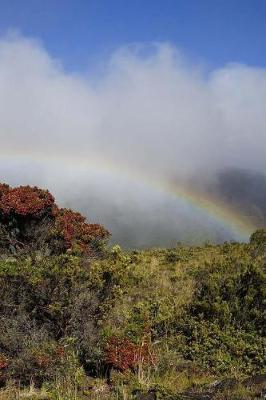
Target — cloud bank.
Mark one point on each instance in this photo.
(149, 111)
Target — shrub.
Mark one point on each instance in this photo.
(123, 354)
(30, 220)
(258, 237)
(24, 201)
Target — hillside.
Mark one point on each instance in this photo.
(85, 321)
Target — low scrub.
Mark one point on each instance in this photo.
(84, 321)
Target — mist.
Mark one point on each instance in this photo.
(147, 111)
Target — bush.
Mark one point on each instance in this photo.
(30, 220)
(258, 237)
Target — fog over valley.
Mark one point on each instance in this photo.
(105, 141)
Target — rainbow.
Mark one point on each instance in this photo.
(230, 218)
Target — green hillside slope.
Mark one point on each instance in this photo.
(79, 320)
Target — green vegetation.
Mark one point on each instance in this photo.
(162, 323)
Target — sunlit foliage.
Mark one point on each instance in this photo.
(31, 220)
(164, 321)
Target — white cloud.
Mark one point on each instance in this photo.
(151, 111)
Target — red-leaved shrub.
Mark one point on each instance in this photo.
(3, 362)
(123, 354)
(74, 229)
(24, 200)
(30, 219)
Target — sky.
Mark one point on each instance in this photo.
(148, 117)
(81, 32)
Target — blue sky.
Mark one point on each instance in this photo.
(80, 32)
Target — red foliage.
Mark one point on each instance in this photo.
(63, 228)
(123, 354)
(3, 368)
(74, 228)
(61, 352)
(4, 188)
(24, 200)
(3, 362)
(45, 358)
